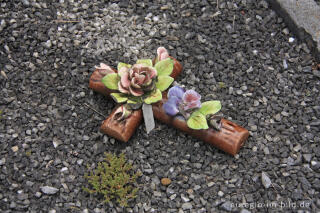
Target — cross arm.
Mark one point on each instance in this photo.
(230, 138)
(96, 85)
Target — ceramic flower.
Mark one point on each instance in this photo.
(188, 104)
(181, 101)
(162, 54)
(104, 69)
(137, 80)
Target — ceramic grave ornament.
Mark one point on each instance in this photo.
(141, 92)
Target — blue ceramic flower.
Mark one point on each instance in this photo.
(180, 101)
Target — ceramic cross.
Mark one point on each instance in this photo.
(229, 137)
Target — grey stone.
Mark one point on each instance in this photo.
(307, 157)
(227, 206)
(316, 73)
(186, 206)
(184, 198)
(157, 194)
(22, 196)
(2, 161)
(38, 194)
(172, 197)
(244, 211)
(56, 142)
(49, 190)
(266, 150)
(254, 128)
(265, 180)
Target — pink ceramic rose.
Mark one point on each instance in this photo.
(137, 80)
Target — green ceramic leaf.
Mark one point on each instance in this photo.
(164, 67)
(120, 65)
(197, 121)
(153, 97)
(111, 81)
(210, 107)
(146, 62)
(119, 97)
(164, 82)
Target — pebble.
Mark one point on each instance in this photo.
(165, 181)
(15, 148)
(285, 65)
(157, 194)
(210, 184)
(186, 206)
(86, 137)
(172, 197)
(184, 198)
(297, 148)
(254, 128)
(227, 206)
(291, 39)
(38, 194)
(307, 157)
(239, 92)
(285, 31)
(49, 190)
(22, 196)
(316, 73)
(265, 180)
(56, 142)
(2, 161)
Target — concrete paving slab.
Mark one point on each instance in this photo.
(303, 18)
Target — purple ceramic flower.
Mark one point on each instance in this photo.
(180, 101)
(191, 100)
(176, 91)
(171, 107)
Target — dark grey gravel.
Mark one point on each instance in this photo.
(237, 51)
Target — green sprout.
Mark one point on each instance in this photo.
(113, 178)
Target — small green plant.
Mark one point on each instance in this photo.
(28, 153)
(0, 113)
(113, 179)
(221, 85)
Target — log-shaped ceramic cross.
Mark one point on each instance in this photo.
(230, 138)
(122, 130)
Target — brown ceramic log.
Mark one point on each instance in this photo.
(96, 84)
(230, 138)
(122, 130)
(177, 68)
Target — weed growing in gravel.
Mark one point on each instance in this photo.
(114, 179)
(0, 113)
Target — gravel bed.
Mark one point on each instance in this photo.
(239, 52)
